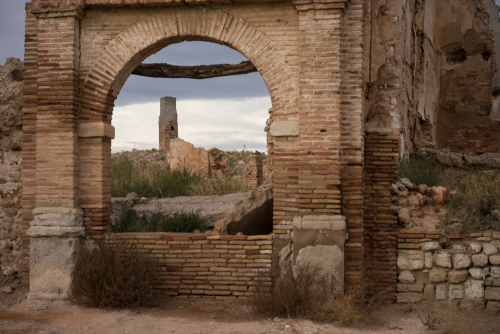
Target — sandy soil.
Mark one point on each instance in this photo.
(199, 316)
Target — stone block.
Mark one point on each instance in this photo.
(495, 260)
(63, 217)
(285, 128)
(455, 292)
(472, 304)
(429, 260)
(492, 281)
(410, 260)
(429, 245)
(429, 292)
(51, 263)
(477, 273)
(415, 287)
(461, 261)
(474, 289)
(480, 260)
(406, 277)
(438, 275)
(492, 293)
(495, 272)
(331, 261)
(493, 307)
(97, 129)
(474, 248)
(401, 287)
(457, 276)
(410, 297)
(442, 259)
(442, 292)
(490, 249)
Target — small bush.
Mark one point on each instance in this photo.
(112, 276)
(422, 168)
(308, 294)
(478, 196)
(178, 222)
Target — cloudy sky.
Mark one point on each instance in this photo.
(228, 113)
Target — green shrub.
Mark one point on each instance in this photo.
(178, 222)
(112, 276)
(422, 168)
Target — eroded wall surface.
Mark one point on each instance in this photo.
(431, 73)
(11, 237)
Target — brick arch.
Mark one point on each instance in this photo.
(118, 59)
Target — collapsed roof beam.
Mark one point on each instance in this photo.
(193, 72)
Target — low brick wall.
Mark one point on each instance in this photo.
(203, 265)
(464, 269)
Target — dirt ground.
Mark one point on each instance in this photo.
(19, 314)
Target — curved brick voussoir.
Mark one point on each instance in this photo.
(127, 50)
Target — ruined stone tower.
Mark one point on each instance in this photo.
(167, 122)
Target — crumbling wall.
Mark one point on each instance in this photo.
(252, 171)
(467, 66)
(431, 74)
(11, 88)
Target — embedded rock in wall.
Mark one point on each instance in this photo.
(11, 87)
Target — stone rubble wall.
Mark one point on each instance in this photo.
(11, 236)
(463, 269)
(203, 265)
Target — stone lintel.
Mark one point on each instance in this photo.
(320, 222)
(98, 129)
(285, 128)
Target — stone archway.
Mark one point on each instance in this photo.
(84, 50)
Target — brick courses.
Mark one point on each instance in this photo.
(380, 219)
(200, 265)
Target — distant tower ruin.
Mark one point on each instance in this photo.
(167, 122)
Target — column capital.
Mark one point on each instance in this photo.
(77, 11)
(303, 5)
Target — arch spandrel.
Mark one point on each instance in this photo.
(121, 55)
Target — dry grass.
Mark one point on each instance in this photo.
(112, 276)
(153, 180)
(476, 201)
(217, 185)
(308, 294)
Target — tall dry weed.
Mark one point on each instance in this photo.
(113, 276)
(304, 292)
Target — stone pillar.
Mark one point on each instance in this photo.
(167, 122)
(57, 227)
(320, 27)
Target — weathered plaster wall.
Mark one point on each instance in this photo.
(11, 238)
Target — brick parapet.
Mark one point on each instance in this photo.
(202, 265)
(380, 220)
